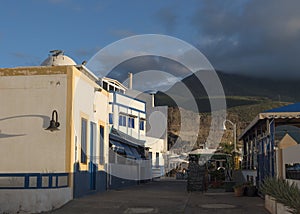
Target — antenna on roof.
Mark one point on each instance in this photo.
(56, 52)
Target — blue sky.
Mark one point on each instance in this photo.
(246, 36)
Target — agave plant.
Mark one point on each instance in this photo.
(283, 192)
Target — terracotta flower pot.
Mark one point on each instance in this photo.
(238, 191)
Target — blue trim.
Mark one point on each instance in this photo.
(128, 107)
(81, 182)
(39, 177)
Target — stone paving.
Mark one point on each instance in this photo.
(163, 196)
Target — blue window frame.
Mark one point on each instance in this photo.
(131, 122)
(83, 154)
(142, 125)
(101, 141)
(111, 121)
(122, 120)
(93, 136)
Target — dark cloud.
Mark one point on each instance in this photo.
(144, 63)
(257, 37)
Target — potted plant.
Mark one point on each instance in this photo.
(250, 189)
(238, 190)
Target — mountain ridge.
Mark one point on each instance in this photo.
(238, 89)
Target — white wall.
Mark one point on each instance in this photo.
(291, 155)
(156, 145)
(128, 101)
(93, 106)
(33, 201)
(128, 106)
(137, 171)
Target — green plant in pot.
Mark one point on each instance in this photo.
(283, 192)
(250, 189)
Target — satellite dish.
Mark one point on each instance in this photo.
(56, 52)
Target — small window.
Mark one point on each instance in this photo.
(142, 125)
(83, 154)
(111, 121)
(131, 122)
(111, 88)
(122, 120)
(93, 140)
(101, 159)
(105, 86)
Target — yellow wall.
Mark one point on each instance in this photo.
(28, 97)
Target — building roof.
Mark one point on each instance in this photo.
(125, 138)
(114, 82)
(289, 108)
(288, 112)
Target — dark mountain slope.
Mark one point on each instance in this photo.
(239, 90)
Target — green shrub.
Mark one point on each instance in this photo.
(283, 192)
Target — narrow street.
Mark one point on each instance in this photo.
(163, 196)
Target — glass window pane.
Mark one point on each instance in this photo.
(101, 160)
(105, 86)
(124, 120)
(110, 118)
(83, 154)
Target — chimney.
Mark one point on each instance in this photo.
(152, 100)
(129, 80)
(152, 94)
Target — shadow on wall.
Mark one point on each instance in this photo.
(45, 119)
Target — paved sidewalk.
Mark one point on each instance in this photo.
(164, 196)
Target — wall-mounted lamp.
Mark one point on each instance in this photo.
(54, 124)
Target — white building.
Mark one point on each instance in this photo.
(157, 132)
(127, 124)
